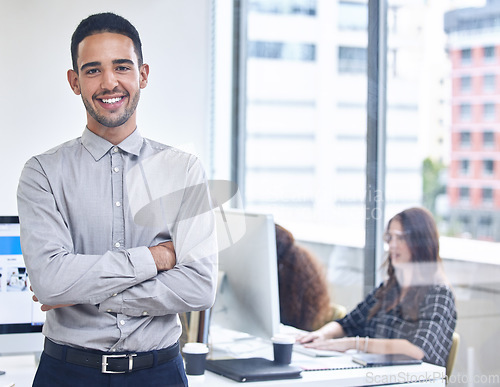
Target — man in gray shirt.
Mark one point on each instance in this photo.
(100, 216)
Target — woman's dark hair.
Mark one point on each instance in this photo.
(104, 22)
(422, 238)
(303, 289)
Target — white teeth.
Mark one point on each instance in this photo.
(111, 100)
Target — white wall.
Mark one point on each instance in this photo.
(38, 110)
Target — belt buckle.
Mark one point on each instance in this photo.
(104, 364)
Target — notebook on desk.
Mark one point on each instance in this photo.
(253, 369)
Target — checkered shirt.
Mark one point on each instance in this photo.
(432, 331)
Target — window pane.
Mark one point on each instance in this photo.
(487, 196)
(352, 59)
(465, 139)
(489, 82)
(466, 56)
(305, 127)
(488, 139)
(465, 83)
(464, 167)
(353, 15)
(489, 111)
(300, 7)
(488, 167)
(489, 53)
(465, 112)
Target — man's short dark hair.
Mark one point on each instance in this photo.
(104, 22)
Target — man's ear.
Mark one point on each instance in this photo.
(73, 81)
(144, 73)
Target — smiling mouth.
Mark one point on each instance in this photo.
(111, 100)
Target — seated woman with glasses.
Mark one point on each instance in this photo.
(412, 312)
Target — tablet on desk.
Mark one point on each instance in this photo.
(253, 369)
(315, 352)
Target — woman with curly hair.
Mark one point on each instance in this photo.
(413, 311)
(303, 289)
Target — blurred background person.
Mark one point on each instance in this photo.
(412, 312)
(303, 288)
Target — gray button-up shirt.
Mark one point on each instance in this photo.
(88, 212)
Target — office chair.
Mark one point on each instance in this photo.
(338, 311)
(453, 354)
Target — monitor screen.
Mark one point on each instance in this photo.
(19, 314)
(248, 297)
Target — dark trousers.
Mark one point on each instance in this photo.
(57, 373)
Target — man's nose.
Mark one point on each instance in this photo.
(108, 80)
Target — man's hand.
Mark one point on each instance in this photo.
(44, 307)
(164, 256)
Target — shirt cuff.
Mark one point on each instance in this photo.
(143, 263)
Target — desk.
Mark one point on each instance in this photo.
(21, 370)
(422, 375)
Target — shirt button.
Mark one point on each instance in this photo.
(118, 204)
(116, 169)
(144, 313)
(115, 149)
(109, 311)
(117, 244)
(122, 322)
(114, 295)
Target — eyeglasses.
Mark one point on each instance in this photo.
(399, 237)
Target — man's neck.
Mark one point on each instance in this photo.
(114, 135)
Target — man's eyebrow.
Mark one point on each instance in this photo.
(90, 64)
(123, 61)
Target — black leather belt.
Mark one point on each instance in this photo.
(109, 362)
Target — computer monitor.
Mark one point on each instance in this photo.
(21, 319)
(248, 297)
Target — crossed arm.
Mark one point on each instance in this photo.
(163, 255)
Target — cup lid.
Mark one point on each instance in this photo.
(283, 339)
(195, 348)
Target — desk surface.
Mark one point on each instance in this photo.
(21, 369)
(346, 372)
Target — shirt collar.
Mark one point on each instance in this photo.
(98, 146)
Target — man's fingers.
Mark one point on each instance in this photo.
(46, 308)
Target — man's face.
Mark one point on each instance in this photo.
(109, 80)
